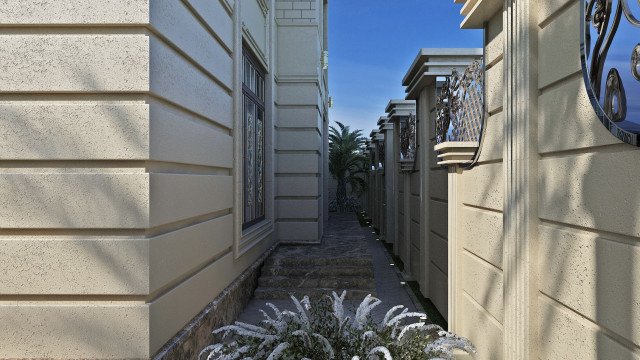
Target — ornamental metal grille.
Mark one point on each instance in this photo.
(381, 154)
(460, 106)
(609, 41)
(254, 145)
(408, 139)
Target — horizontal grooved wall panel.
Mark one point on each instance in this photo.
(557, 105)
(175, 21)
(174, 254)
(175, 79)
(74, 12)
(117, 329)
(74, 201)
(488, 342)
(216, 17)
(74, 63)
(438, 217)
(176, 197)
(582, 269)
(560, 40)
(94, 265)
(481, 233)
(572, 190)
(438, 250)
(180, 137)
(588, 204)
(484, 284)
(493, 138)
(483, 186)
(494, 91)
(170, 312)
(74, 131)
(571, 337)
(438, 286)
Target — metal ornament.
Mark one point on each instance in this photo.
(460, 106)
(608, 41)
(408, 139)
(381, 154)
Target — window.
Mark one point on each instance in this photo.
(254, 145)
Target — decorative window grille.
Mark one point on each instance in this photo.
(254, 141)
(460, 106)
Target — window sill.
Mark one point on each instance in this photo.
(253, 236)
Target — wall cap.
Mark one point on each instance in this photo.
(456, 152)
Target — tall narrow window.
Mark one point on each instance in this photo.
(254, 145)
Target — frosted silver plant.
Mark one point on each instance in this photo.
(323, 331)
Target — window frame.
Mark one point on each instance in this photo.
(257, 99)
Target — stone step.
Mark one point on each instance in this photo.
(318, 271)
(338, 282)
(262, 293)
(305, 261)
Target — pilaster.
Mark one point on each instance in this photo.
(520, 177)
(455, 293)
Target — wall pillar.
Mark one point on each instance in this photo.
(453, 179)
(301, 122)
(390, 172)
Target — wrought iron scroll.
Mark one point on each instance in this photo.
(608, 42)
(408, 139)
(460, 106)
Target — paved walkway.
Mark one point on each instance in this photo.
(344, 235)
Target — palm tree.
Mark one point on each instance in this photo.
(347, 164)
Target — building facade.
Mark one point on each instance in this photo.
(153, 152)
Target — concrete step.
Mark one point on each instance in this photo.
(314, 293)
(306, 261)
(338, 282)
(323, 271)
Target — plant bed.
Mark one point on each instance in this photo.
(325, 329)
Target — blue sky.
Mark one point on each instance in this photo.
(372, 43)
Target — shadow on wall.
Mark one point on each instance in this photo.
(46, 205)
(588, 199)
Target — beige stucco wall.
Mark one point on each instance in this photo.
(301, 104)
(479, 206)
(118, 216)
(433, 271)
(588, 267)
(570, 235)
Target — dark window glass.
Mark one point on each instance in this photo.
(254, 145)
